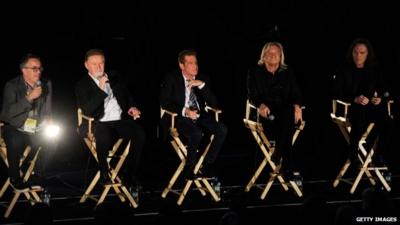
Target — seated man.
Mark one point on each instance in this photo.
(273, 90)
(102, 96)
(26, 108)
(186, 92)
(360, 82)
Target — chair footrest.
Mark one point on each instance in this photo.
(114, 185)
(378, 168)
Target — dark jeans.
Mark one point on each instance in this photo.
(16, 142)
(193, 132)
(281, 129)
(106, 133)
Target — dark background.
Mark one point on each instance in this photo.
(142, 41)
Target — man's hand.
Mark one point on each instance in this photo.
(298, 114)
(192, 114)
(195, 83)
(376, 100)
(35, 93)
(103, 80)
(134, 112)
(362, 100)
(263, 110)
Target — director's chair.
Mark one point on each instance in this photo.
(120, 189)
(31, 194)
(364, 155)
(202, 184)
(267, 147)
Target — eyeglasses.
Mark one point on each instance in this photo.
(35, 69)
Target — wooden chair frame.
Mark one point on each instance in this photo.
(31, 195)
(267, 147)
(202, 184)
(363, 155)
(120, 189)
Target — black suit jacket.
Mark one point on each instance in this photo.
(90, 98)
(351, 82)
(280, 89)
(16, 107)
(172, 95)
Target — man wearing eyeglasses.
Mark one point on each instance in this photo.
(26, 108)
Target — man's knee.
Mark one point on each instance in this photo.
(139, 135)
(222, 130)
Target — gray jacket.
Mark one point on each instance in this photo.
(16, 107)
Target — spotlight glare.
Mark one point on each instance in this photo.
(52, 131)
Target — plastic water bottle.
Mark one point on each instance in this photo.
(217, 187)
(388, 177)
(298, 180)
(135, 194)
(46, 197)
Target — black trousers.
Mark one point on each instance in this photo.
(16, 142)
(193, 132)
(281, 129)
(360, 117)
(106, 133)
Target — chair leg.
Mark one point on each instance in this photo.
(12, 204)
(184, 192)
(129, 196)
(90, 188)
(4, 188)
(256, 175)
(268, 186)
(200, 187)
(383, 180)
(173, 179)
(211, 190)
(342, 173)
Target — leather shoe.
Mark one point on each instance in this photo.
(105, 180)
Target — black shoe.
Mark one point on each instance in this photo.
(276, 158)
(188, 173)
(207, 170)
(35, 182)
(19, 185)
(379, 161)
(105, 180)
(298, 179)
(353, 158)
(287, 174)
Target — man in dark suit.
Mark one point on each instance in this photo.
(107, 100)
(26, 109)
(186, 92)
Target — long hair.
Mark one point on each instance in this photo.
(371, 59)
(266, 47)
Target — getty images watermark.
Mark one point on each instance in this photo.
(377, 219)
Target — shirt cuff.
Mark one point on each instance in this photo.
(201, 86)
(183, 112)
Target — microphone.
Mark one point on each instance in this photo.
(38, 83)
(101, 76)
(270, 117)
(386, 94)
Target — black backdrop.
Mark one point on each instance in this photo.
(142, 41)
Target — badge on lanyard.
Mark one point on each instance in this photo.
(30, 125)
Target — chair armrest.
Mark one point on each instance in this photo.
(249, 107)
(90, 120)
(346, 105)
(171, 114)
(215, 110)
(389, 108)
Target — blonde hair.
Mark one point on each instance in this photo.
(266, 47)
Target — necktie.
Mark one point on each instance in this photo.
(193, 104)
